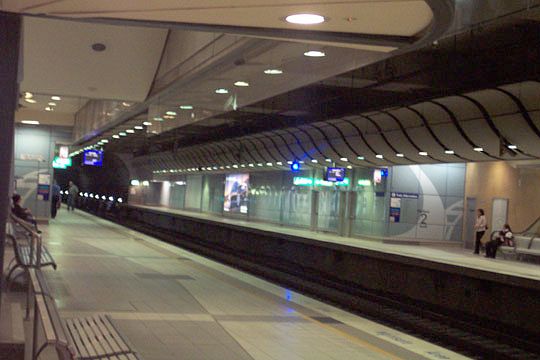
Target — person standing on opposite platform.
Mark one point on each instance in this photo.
(55, 199)
(480, 228)
(73, 192)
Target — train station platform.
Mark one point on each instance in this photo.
(172, 304)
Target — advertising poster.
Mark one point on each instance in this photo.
(236, 193)
(44, 182)
(395, 209)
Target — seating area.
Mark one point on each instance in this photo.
(94, 337)
(526, 244)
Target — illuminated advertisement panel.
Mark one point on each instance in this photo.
(236, 193)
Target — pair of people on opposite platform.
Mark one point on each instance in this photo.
(504, 237)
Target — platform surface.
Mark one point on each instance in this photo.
(172, 304)
(445, 255)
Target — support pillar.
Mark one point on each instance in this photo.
(10, 30)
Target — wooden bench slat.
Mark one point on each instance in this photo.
(46, 323)
(79, 342)
(110, 337)
(88, 342)
(98, 339)
(114, 336)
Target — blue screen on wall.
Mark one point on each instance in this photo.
(335, 174)
(93, 157)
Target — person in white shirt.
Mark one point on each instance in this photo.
(480, 227)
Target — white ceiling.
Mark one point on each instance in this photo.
(388, 17)
(66, 104)
(58, 59)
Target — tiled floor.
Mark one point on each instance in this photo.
(172, 304)
(451, 255)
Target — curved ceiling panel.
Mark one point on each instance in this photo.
(471, 125)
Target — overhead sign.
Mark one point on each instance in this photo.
(404, 195)
(307, 181)
(59, 163)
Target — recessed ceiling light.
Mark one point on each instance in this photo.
(30, 122)
(349, 166)
(423, 153)
(116, 136)
(168, 117)
(139, 127)
(126, 104)
(56, 98)
(130, 131)
(360, 158)
(186, 107)
(31, 101)
(104, 141)
(269, 164)
(289, 162)
(52, 104)
(157, 118)
(512, 147)
(344, 159)
(147, 123)
(400, 155)
(314, 161)
(328, 160)
(28, 95)
(479, 149)
(171, 113)
(222, 91)
(241, 84)
(273, 71)
(314, 53)
(449, 152)
(379, 156)
(305, 19)
(48, 108)
(122, 133)
(279, 163)
(251, 165)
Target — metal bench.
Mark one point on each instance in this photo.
(523, 246)
(27, 246)
(532, 249)
(89, 338)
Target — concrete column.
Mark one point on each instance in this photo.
(10, 30)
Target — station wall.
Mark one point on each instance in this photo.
(417, 202)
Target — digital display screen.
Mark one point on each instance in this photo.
(93, 157)
(335, 174)
(236, 193)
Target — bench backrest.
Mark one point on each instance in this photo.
(522, 242)
(46, 313)
(535, 244)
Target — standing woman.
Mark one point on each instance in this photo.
(480, 227)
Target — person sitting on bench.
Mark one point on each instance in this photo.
(505, 237)
(23, 213)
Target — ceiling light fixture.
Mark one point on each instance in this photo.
(171, 113)
(328, 160)
(122, 133)
(423, 153)
(360, 158)
(344, 159)
(222, 91)
(116, 136)
(147, 123)
(379, 156)
(241, 84)
(52, 104)
(512, 147)
(305, 19)
(478, 149)
(56, 98)
(400, 155)
(186, 107)
(28, 95)
(273, 71)
(48, 108)
(314, 53)
(104, 141)
(139, 127)
(449, 152)
(31, 101)
(30, 122)
(314, 161)
(126, 104)
(130, 131)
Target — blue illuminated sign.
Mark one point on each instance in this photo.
(93, 157)
(295, 166)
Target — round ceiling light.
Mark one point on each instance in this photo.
(314, 53)
(98, 47)
(305, 19)
(222, 91)
(241, 84)
(273, 71)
